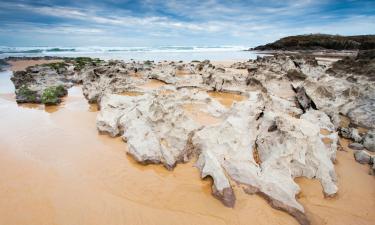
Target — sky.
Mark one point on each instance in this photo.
(175, 22)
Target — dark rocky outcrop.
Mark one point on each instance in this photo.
(3, 64)
(321, 42)
(361, 65)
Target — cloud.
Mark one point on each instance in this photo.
(245, 22)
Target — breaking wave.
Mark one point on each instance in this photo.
(30, 50)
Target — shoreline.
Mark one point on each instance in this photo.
(323, 54)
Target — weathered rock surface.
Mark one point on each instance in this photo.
(356, 146)
(47, 83)
(284, 128)
(332, 94)
(369, 141)
(362, 157)
(111, 77)
(157, 130)
(31, 84)
(155, 125)
(350, 133)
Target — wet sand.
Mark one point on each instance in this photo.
(56, 169)
(355, 202)
(18, 65)
(226, 99)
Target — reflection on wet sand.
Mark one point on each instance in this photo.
(49, 109)
(74, 101)
(226, 98)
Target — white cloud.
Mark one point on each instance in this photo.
(233, 22)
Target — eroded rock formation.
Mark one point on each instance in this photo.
(284, 127)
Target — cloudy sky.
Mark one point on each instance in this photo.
(175, 22)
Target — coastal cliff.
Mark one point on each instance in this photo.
(320, 42)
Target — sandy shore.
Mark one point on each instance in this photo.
(18, 65)
(70, 174)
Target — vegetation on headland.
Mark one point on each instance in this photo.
(321, 42)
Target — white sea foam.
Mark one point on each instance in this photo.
(138, 53)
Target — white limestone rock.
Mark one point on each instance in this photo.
(155, 126)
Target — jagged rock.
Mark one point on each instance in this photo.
(303, 99)
(295, 75)
(361, 111)
(155, 126)
(350, 133)
(356, 146)
(112, 77)
(369, 140)
(323, 121)
(227, 147)
(362, 157)
(221, 188)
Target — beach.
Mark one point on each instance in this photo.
(71, 174)
(187, 112)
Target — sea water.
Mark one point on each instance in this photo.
(159, 53)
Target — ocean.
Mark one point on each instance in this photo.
(185, 53)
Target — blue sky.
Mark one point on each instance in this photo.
(175, 22)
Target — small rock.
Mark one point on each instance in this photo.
(362, 157)
(369, 141)
(350, 133)
(356, 146)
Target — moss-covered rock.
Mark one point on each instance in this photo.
(51, 95)
(81, 62)
(25, 94)
(58, 66)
